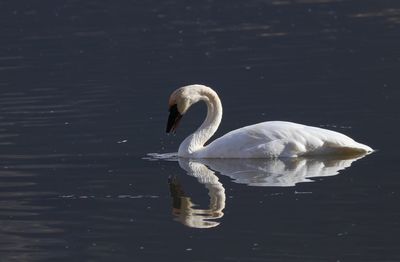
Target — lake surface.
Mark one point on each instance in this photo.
(84, 91)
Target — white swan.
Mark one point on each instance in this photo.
(264, 140)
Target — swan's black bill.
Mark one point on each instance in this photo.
(173, 119)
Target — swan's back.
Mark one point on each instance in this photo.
(281, 139)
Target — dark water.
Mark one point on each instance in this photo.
(84, 88)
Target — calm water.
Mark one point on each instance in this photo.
(84, 89)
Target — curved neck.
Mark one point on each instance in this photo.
(195, 142)
(203, 218)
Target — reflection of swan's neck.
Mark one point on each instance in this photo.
(205, 176)
(202, 218)
(196, 141)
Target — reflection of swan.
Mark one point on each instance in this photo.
(263, 140)
(183, 208)
(282, 172)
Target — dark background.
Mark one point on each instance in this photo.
(84, 90)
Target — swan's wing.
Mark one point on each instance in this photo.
(282, 139)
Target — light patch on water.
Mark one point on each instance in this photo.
(165, 156)
(335, 126)
(72, 196)
(300, 192)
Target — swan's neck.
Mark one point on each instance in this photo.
(194, 143)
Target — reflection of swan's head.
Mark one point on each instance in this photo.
(185, 210)
(180, 101)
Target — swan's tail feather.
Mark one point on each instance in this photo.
(350, 151)
(338, 150)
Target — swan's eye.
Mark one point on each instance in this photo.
(173, 119)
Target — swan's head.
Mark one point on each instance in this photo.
(179, 102)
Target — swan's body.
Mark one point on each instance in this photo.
(279, 139)
(264, 140)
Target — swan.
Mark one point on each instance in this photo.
(272, 139)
